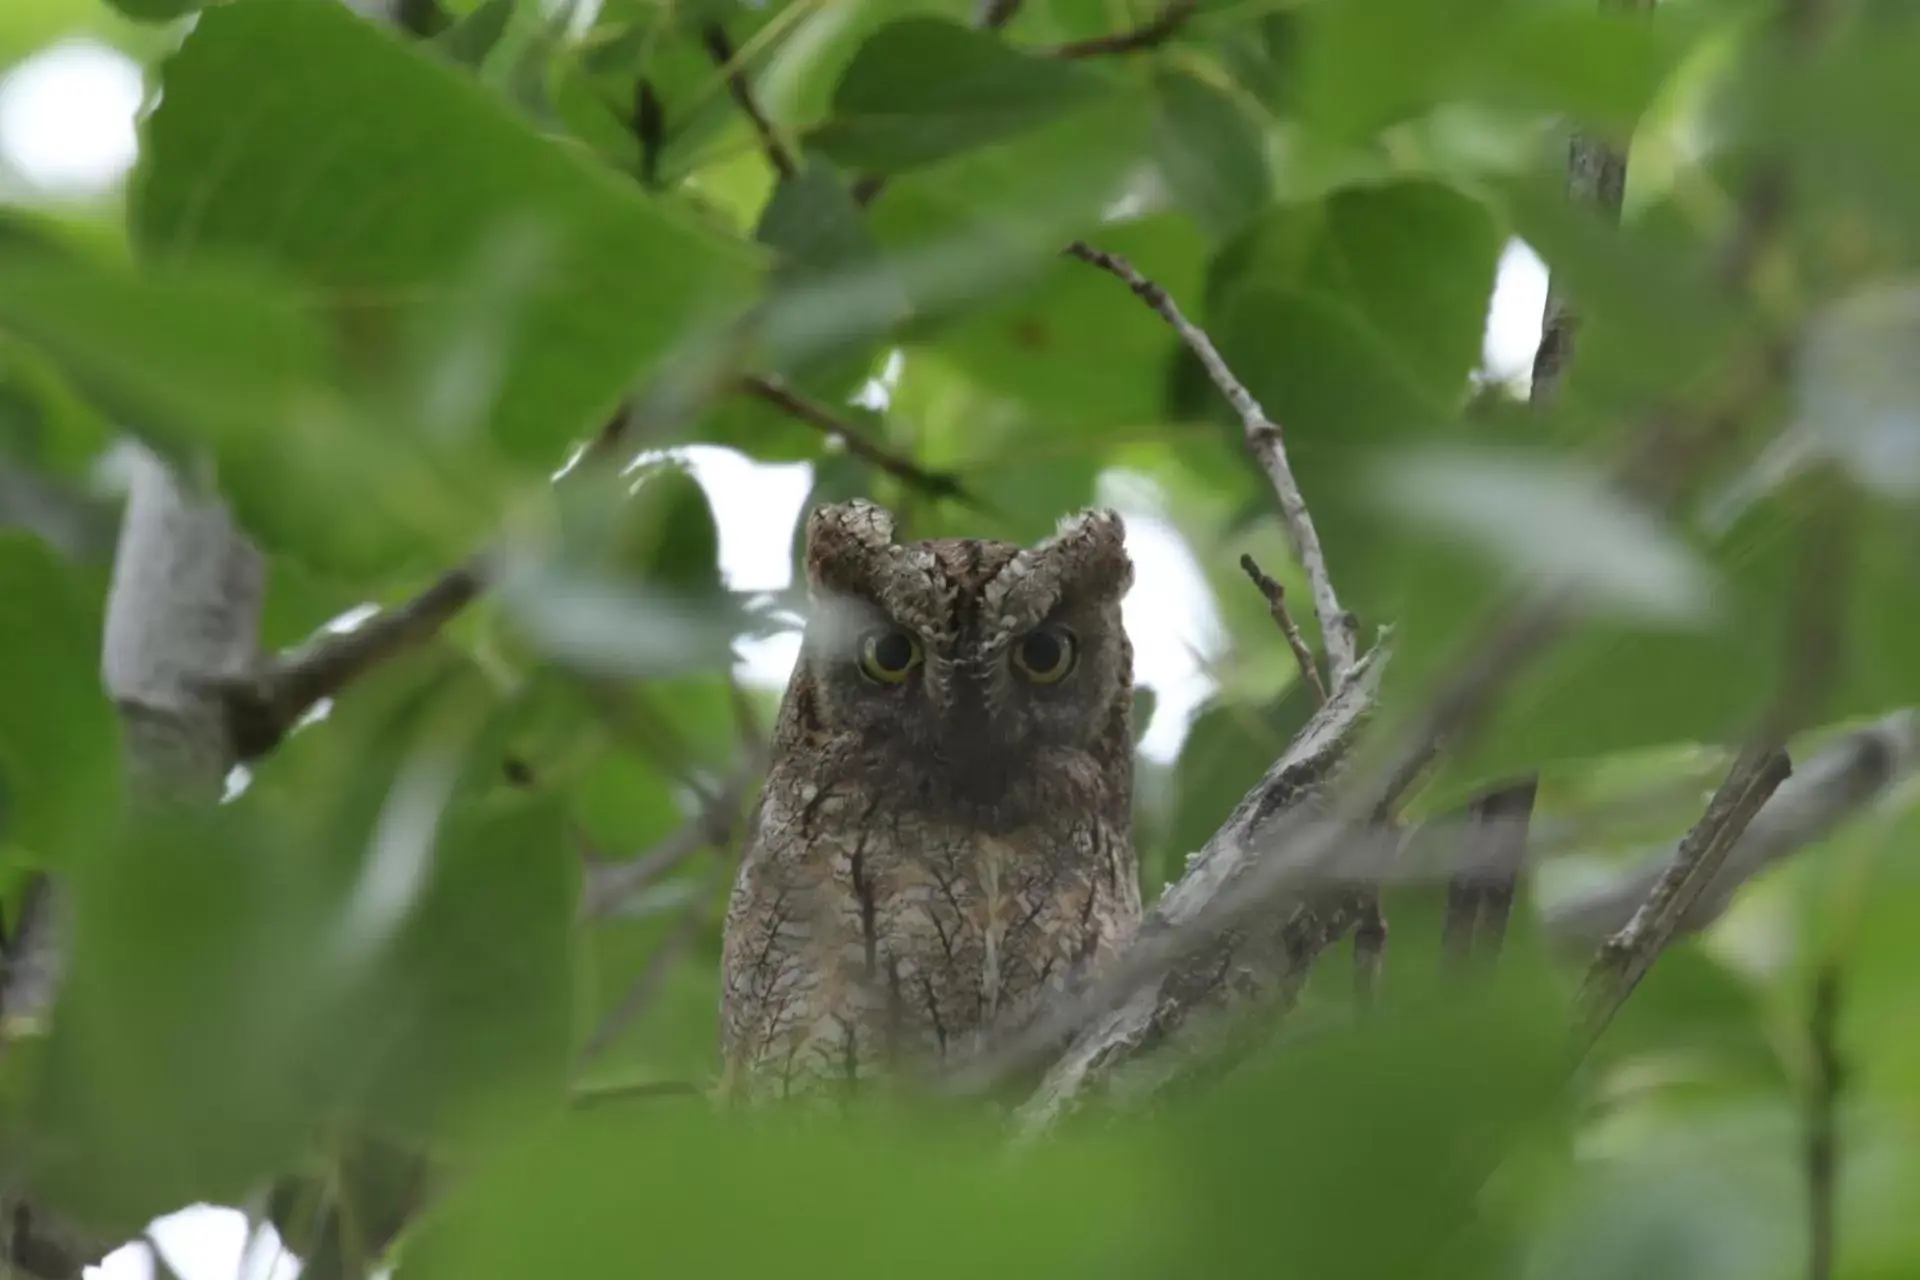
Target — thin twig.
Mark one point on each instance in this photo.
(714, 36)
(936, 484)
(1626, 957)
(1846, 776)
(1337, 627)
(1157, 31)
(1480, 895)
(1827, 1076)
(607, 886)
(646, 988)
(1276, 596)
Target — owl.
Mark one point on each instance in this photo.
(943, 843)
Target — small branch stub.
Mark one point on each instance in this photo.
(1276, 597)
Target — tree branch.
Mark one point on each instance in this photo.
(265, 707)
(1338, 629)
(1625, 958)
(1847, 775)
(714, 36)
(935, 484)
(607, 887)
(1157, 31)
(182, 621)
(1190, 949)
(646, 988)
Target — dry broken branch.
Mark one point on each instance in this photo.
(1338, 628)
(1838, 781)
(1626, 957)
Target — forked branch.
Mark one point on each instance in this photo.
(1338, 629)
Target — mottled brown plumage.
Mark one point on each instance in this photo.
(943, 842)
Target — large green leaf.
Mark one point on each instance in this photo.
(59, 758)
(1073, 350)
(373, 933)
(635, 1189)
(407, 179)
(921, 90)
(1368, 64)
(1212, 155)
(180, 353)
(1413, 260)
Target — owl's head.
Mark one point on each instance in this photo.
(969, 656)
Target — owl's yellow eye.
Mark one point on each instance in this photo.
(1046, 655)
(889, 656)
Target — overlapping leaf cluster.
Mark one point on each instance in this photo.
(377, 287)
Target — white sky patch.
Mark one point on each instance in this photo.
(1514, 316)
(204, 1243)
(67, 118)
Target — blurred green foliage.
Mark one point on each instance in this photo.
(382, 288)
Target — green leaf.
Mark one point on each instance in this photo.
(179, 353)
(157, 10)
(634, 1190)
(922, 89)
(1074, 350)
(474, 36)
(474, 1017)
(1369, 64)
(812, 221)
(1211, 154)
(407, 171)
(1414, 260)
(374, 932)
(1549, 523)
(59, 745)
(1859, 389)
(956, 233)
(190, 1056)
(1654, 313)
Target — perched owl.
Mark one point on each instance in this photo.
(943, 841)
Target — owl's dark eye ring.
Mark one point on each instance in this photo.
(889, 656)
(1046, 655)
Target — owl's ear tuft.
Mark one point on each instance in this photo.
(1090, 550)
(843, 538)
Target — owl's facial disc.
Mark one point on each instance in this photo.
(970, 663)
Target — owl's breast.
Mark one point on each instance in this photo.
(921, 936)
